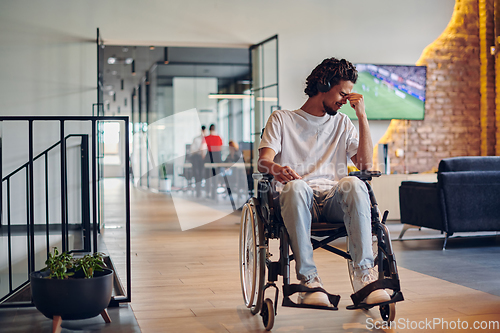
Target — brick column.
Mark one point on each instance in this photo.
(487, 77)
(452, 124)
(497, 77)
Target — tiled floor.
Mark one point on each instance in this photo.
(469, 260)
(29, 320)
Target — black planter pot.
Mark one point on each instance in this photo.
(75, 298)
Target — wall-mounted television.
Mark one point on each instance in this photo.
(390, 91)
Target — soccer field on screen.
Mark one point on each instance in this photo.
(382, 102)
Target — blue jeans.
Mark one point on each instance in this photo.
(348, 201)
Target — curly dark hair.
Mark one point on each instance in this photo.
(330, 70)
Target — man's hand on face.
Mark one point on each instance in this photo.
(357, 103)
(284, 174)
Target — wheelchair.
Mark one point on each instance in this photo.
(261, 221)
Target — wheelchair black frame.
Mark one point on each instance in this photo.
(275, 229)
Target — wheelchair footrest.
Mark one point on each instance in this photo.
(397, 297)
(361, 294)
(289, 303)
(291, 289)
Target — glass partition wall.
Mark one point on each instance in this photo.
(175, 97)
(170, 92)
(265, 86)
(184, 107)
(234, 89)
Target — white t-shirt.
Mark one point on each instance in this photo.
(317, 148)
(198, 145)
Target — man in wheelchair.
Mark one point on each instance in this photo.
(307, 151)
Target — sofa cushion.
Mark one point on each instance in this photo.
(470, 163)
(472, 200)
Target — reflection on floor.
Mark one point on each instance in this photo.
(221, 200)
(29, 320)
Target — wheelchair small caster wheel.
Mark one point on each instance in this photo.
(267, 314)
(388, 312)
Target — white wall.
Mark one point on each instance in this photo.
(48, 52)
(48, 55)
(47, 67)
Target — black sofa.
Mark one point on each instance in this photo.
(466, 197)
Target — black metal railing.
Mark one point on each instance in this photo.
(30, 231)
(84, 190)
(89, 182)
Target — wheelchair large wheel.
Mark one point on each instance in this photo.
(388, 311)
(252, 258)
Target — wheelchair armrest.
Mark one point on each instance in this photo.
(365, 174)
(266, 194)
(262, 176)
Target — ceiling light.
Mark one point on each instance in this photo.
(111, 60)
(267, 99)
(111, 93)
(229, 96)
(128, 61)
(151, 47)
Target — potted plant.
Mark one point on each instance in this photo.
(165, 183)
(72, 288)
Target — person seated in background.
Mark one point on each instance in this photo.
(197, 156)
(234, 153)
(234, 175)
